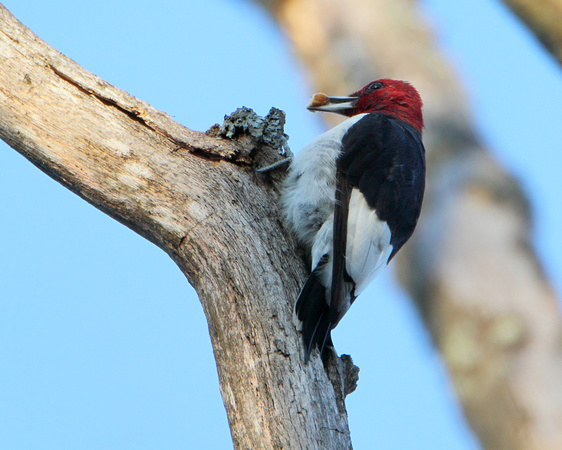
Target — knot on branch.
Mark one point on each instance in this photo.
(261, 140)
(342, 373)
(350, 374)
(268, 130)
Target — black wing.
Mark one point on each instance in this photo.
(385, 159)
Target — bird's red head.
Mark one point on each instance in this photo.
(394, 97)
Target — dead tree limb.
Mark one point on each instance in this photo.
(198, 198)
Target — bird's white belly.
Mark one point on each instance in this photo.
(309, 189)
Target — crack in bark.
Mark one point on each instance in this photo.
(238, 153)
(11, 38)
(134, 115)
(188, 232)
(332, 429)
(140, 116)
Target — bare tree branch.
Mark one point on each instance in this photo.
(543, 19)
(470, 266)
(198, 198)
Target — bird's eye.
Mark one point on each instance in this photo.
(374, 86)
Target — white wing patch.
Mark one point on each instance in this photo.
(368, 242)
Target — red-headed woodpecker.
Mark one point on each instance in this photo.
(353, 197)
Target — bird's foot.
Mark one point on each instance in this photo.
(276, 165)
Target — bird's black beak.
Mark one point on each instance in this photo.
(340, 105)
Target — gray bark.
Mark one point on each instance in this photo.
(198, 198)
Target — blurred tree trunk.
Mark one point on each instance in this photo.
(197, 197)
(544, 18)
(470, 267)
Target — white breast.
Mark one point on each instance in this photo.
(309, 189)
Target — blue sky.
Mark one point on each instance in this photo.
(103, 344)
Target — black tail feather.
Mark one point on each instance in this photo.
(314, 313)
